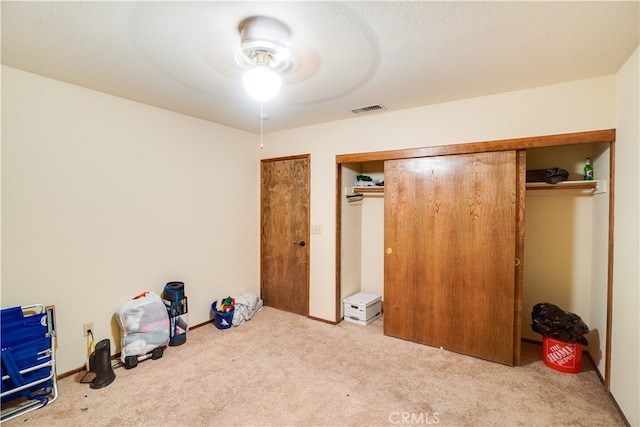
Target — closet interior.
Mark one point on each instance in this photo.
(566, 258)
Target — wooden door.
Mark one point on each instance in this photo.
(450, 246)
(284, 242)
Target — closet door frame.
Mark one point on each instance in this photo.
(518, 144)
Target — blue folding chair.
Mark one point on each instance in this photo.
(29, 380)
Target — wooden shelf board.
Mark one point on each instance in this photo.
(564, 185)
(376, 189)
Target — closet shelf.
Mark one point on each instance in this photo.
(362, 190)
(596, 186)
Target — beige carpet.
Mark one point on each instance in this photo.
(284, 369)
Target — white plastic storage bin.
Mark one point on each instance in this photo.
(362, 308)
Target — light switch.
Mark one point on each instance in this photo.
(316, 229)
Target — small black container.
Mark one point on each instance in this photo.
(176, 302)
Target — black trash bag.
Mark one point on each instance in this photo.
(550, 320)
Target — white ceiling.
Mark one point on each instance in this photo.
(180, 55)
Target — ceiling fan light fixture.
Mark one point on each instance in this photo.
(264, 54)
(262, 83)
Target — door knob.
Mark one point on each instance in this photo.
(300, 243)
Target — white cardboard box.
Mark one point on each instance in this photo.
(362, 308)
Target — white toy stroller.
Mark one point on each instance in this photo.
(145, 328)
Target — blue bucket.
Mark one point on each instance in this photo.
(220, 319)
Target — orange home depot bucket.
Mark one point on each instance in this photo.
(562, 356)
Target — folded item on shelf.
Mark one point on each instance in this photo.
(548, 175)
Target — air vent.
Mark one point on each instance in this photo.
(369, 109)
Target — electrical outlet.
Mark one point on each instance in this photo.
(86, 328)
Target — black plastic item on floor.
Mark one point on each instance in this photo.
(176, 302)
(552, 321)
(100, 364)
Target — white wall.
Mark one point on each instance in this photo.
(597, 319)
(557, 256)
(103, 198)
(351, 238)
(625, 369)
(372, 254)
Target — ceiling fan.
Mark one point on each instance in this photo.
(265, 55)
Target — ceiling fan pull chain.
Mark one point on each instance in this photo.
(261, 122)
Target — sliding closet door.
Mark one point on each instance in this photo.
(450, 247)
